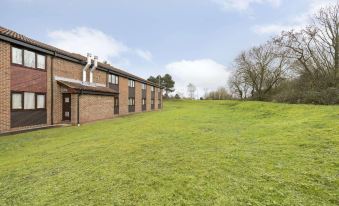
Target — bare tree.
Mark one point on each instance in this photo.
(315, 49)
(219, 94)
(261, 68)
(238, 86)
(191, 90)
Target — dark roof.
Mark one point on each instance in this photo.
(78, 88)
(14, 35)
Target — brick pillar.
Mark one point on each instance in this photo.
(148, 98)
(123, 96)
(156, 98)
(138, 101)
(5, 100)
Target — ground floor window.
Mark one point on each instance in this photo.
(131, 104)
(28, 101)
(152, 103)
(16, 101)
(28, 109)
(131, 101)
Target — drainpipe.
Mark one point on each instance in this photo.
(78, 108)
(95, 65)
(88, 64)
(52, 89)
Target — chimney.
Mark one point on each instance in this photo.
(94, 67)
(88, 64)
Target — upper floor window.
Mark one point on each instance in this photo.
(41, 61)
(152, 88)
(143, 101)
(114, 79)
(16, 56)
(28, 58)
(131, 83)
(152, 101)
(143, 86)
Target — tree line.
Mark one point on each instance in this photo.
(295, 67)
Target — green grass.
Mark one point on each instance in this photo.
(192, 153)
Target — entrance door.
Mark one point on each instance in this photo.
(116, 105)
(66, 107)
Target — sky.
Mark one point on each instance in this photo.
(195, 41)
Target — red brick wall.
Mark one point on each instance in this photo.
(123, 96)
(66, 69)
(4, 86)
(156, 99)
(148, 98)
(95, 107)
(41, 82)
(138, 100)
(28, 80)
(49, 91)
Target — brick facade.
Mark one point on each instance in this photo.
(90, 110)
(5, 86)
(123, 96)
(92, 107)
(148, 98)
(65, 69)
(138, 99)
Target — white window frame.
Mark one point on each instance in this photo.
(29, 96)
(38, 63)
(39, 106)
(131, 83)
(13, 56)
(13, 103)
(113, 79)
(131, 101)
(26, 64)
(144, 86)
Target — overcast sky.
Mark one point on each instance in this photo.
(193, 40)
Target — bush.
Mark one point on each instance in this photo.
(325, 96)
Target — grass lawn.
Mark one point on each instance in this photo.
(192, 153)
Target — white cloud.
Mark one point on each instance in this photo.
(147, 55)
(85, 40)
(203, 73)
(242, 5)
(296, 22)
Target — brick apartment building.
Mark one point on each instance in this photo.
(41, 85)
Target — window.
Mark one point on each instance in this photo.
(152, 101)
(29, 100)
(114, 79)
(16, 101)
(143, 86)
(41, 61)
(131, 101)
(29, 59)
(16, 56)
(40, 98)
(131, 83)
(143, 101)
(152, 88)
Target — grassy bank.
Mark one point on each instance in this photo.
(192, 152)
